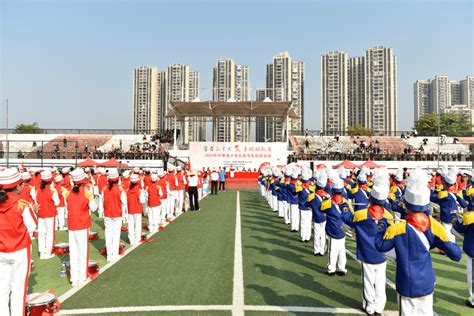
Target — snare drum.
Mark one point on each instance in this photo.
(61, 249)
(93, 236)
(93, 267)
(39, 303)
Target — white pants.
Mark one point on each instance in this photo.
(448, 227)
(306, 217)
(416, 306)
(295, 217)
(113, 226)
(373, 293)
(172, 197)
(319, 231)
(470, 285)
(179, 202)
(134, 228)
(60, 219)
(337, 255)
(15, 268)
(286, 208)
(200, 194)
(153, 218)
(46, 236)
(165, 209)
(79, 254)
(100, 209)
(274, 204)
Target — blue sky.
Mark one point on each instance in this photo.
(69, 64)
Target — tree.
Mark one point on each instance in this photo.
(451, 125)
(359, 130)
(28, 129)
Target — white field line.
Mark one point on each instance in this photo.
(238, 291)
(260, 308)
(74, 290)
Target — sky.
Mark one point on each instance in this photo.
(69, 63)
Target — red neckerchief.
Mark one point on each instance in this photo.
(420, 221)
(329, 182)
(376, 212)
(293, 181)
(363, 187)
(400, 185)
(287, 179)
(452, 189)
(337, 198)
(305, 185)
(322, 193)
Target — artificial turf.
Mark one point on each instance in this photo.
(280, 270)
(189, 263)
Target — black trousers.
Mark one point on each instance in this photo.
(193, 198)
(213, 187)
(221, 185)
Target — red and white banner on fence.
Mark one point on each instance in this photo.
(237, 155)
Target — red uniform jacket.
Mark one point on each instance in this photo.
(26, 193)
(179, 176)
(13, 233)
(153, 195)
(133, 200)
(162, 183)
(171, 177)
(44, 198)
(60, 189)
(112, 204)
(79, 217)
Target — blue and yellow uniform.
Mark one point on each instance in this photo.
(448, 204)
(360, 193)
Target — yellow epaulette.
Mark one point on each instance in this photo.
(439, 187)
(392, 196)
(468, 218)
(369, 189)
(271, 181)
(298, 188)
(22, 204)
(354, 190)
(298, 182)
(66, 194)
(360, 215)
(325, 205)
(395, 230)
(438, 230)
(387, 214)
(442, 194)
(312, 187)
(470, 192)
(348, 187)
(89, 195)
(310, 197)
(393, 189)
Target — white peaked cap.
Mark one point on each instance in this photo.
(380, 191)
(65, 170)
(399, 175)
(322, 179)
(25, 176)
(154, 177)
(46, 175)
(58, 178)
(171, 167)
(417, 193)
(102, 170)
(78, 175)
(112, 174)
(362, 176)
(381, 176)
(451, 176)
(337, 183)
(444, 170)
(296, 172)
(332, 174)
(275, 172)
(343, 173)
(134, 178)
(316, 173)
(288, 170)
(126, 174)
(306, 174)
(178, 168)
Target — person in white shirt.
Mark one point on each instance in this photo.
(193, 191)
(214, 181)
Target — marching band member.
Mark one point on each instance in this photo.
(303, 190)
(126, 180)
(115, 203)
(448, 200)
(153, 195)
(180, 191)
(173, 193)
(48, 199)
(293, 204)
(274, 192)
(17, 221)
(360, 194)
(101, 183)
(373, 261)
(412, 239)
(315, 202)
(29, 192)
(79, 202)
(466, 227)
(165, 189)
(67, 178)
(336, 237)
(284, 183)
(61, 209)
(135, 199)
(398, 187)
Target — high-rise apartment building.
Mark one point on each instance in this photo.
(441, 95)
(146, 110)
(334, 92)
(231, 84)
(182, 84)
(359, 91)
(381, 90)
(284, 82)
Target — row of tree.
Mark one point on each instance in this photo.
(451, 125)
